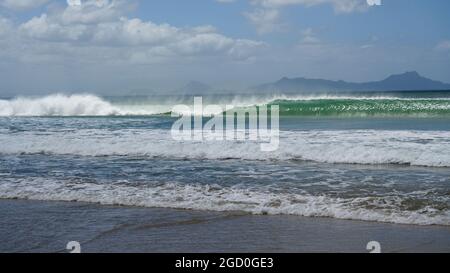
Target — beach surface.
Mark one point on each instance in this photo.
(36, 226)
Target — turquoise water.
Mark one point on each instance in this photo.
(381, 158)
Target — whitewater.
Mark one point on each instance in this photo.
(381, 157)
(299, 105)
(416, 148)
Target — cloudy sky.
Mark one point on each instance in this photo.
(115, 46)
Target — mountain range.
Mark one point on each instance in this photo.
(409, 81)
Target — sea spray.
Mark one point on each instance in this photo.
(290, 105)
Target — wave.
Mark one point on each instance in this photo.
(219, 198)
(75, 105)
(372, 147)
(58, 105)
(378, 107)
(323, 105)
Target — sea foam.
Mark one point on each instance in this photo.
(299, 105)
(58, 105)
(219, 198)
(417, 148)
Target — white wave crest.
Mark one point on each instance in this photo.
(418, 148)
(58, 105)
(218, 198)
(91, 105)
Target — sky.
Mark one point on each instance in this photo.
(117, 46)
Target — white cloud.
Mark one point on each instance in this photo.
(74, 2)
(265, 20)
(339, 5)
(45, 28)
(266, 16)
(5, 26)
(99, 29)
(309, 37)
(366, 46)
(133, 32)
(443, 46)
(22, 4)
(93, 11)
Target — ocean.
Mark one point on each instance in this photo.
(381, 157)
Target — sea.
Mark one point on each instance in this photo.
(382, 157)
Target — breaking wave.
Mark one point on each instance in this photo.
(219, 198)
(365, 107)
(372, 147)
(91, 105)
(58, 105)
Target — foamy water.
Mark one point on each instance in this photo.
(91, 105)
(217, 198)
(393, 168)
(418, 148)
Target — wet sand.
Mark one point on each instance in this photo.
(34, 226)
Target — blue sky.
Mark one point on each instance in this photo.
(114, 46)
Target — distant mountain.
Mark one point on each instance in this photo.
(409, 81)
(195, 88)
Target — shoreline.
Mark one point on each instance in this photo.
(47, 226)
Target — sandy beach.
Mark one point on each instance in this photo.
(34, 226)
